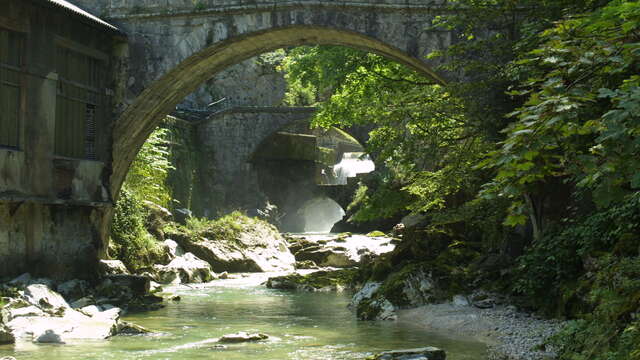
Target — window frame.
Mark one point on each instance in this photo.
(20, 70)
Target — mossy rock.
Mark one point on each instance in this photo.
(317, 281)
(376, 233)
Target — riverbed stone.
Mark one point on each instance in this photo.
(45, 298)
(73, 289)
(184, 269)
(49, 336)
(127, 328)
(112, 267)
(6, 337)
(426, 353)
(242, 337)
(257, 247)
(335, 280)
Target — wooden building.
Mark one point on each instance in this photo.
(58, 78)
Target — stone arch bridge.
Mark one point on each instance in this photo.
(176, 45)
(56, 210)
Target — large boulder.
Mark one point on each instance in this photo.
(73, 289)
(112, 267)
(184, 269)
(341, 250)
(257, 246)
(336, 280)
(410, 287)
(40, 314)
(6, 336)
(328, 256)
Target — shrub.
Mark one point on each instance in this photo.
(131, 243)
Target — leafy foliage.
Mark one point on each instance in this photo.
(612, 331)
(549, 273)
(148, 173)
(421, 139)
(131, 243)
(580, 118)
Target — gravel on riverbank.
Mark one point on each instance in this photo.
(509, 334)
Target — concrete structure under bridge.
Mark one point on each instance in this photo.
(56, 196)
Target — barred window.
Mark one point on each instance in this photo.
(79, 104)
(11, 61)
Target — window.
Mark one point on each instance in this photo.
(79, 104)
(11, 61)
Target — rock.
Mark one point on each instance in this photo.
(7, 358)
(376, 309)
(376, 233)
(185, 269)
(224, 275)
(173, 248)
(42, 315)
(73, 289)
(410, 287)
(26, 311)
(112, 267)
(328, 256)
(44, 298)
(82, 302)
(24, 279)
(258, 247)
(157, 217)
(6, 336)
(158, 210)
(427, 353)
(154, 287)
(176, 298)
(460, 300)
(366, 292)
(242, 337)
(181, 216)
(336, 280)
(306, 264)
(138, 285)
(49, 337)
(127, 328)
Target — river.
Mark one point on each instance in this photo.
(302, 326)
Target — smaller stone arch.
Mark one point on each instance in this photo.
(161, 97)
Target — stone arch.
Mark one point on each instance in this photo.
(161, 96)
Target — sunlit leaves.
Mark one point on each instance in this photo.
(581, 116)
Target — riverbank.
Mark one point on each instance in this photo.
(508, 333)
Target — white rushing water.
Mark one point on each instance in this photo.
(320, 214)
(352, 164)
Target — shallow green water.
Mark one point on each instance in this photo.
(305, 325)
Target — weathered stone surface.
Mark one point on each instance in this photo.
(258, 247)
(48, 318)
(410, 287)
(46, 299)
(306, 264)
(48, 337)
(242, 337)
(173, 248)
(426, 353)
(337, 280)
(6, 336)
(112, 267)
(73, 289)
(184, 269)
(127, 328)
(330, 256)
(138, 285)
